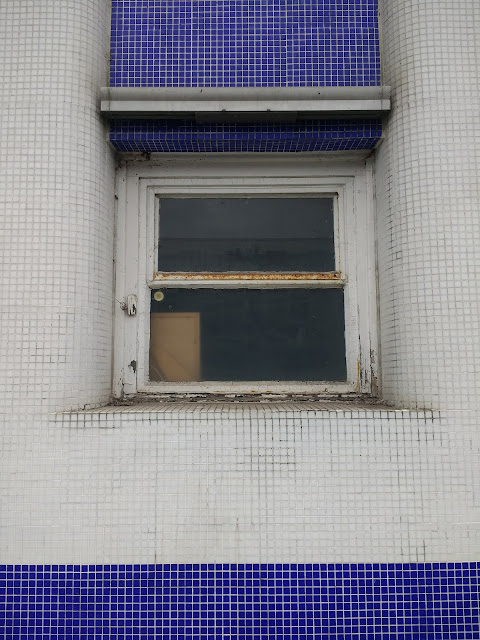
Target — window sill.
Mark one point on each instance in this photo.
(352, 406)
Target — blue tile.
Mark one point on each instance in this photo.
(169, 43)
(184, 136)
(398, 604)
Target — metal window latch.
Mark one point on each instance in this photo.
(130, 305)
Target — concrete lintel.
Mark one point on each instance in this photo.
(253, 103)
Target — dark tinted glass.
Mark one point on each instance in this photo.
(246, 234)
(248, 334)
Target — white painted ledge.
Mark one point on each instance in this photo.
(296, 409)
(214, 104)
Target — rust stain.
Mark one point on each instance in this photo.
(359, 373)
(248, 276)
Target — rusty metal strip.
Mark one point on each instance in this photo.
(262, 277)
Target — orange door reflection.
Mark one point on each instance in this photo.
(175, 347)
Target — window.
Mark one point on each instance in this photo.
(246, 274)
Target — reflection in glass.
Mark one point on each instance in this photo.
(246, 234)
(248, 335)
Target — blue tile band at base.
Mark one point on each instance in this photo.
(250, 601)
(185, 136)
(215, 43)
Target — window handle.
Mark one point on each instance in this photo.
(130, 305)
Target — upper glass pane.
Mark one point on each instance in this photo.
(246, 234)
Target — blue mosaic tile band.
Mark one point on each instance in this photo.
(169, 43)
(254, 601)
(178, 136)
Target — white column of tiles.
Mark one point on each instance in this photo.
(56, 198)
(429, 193)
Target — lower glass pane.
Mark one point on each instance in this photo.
(247, 334)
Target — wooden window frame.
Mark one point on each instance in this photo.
(141, 181)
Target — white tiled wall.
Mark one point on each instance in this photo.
(235, 483)
(241, 484)
(428, 220)
(56, 197)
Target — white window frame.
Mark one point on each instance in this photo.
(141, 181)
